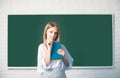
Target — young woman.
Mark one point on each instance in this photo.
(52, 68)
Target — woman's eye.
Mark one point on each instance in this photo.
(51, 32)
(55, 32)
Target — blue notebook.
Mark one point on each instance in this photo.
(54, 53)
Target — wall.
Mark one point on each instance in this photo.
(60, 7)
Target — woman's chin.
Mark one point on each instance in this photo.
(51, 40)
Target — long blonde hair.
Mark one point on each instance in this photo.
(49, 25)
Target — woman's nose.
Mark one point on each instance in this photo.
(53, 34)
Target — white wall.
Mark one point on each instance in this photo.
(59, 7)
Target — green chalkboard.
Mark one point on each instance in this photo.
(88, 38)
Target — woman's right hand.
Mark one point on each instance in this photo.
(49, 46)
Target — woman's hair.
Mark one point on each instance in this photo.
(49, 25)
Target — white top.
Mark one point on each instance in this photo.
(54, 64)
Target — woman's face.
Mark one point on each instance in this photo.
(51, 34)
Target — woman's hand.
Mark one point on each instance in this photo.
(61, 52)
(65, 61)
(49, 46)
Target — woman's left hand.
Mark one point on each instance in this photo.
(61, 52)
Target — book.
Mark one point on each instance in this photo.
(54, 54)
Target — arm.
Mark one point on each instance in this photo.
(65, 60)
(47, 57)
(68, 56)
(41, 64)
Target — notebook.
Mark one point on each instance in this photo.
(54, 53)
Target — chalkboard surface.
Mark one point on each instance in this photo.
(88, 38)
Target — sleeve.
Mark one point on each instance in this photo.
(41, 65)
(69, 58)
